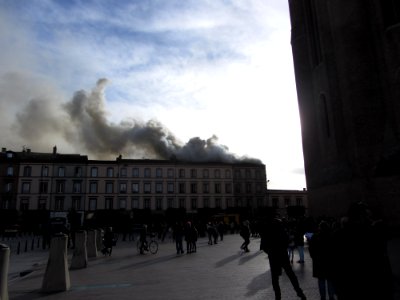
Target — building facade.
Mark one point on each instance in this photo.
(284, 200)
(61, 182)
(347, 71)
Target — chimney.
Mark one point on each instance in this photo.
(54, 150)
(3, 150)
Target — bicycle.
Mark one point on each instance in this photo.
(152, 246)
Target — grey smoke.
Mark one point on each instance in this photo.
(82, 124)
(30, 113)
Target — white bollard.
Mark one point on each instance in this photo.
(92, 243)
(79, 256)
(56, 277)
(4, 263)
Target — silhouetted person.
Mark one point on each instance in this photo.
(215, 232)
(75, 223)
(221, 229)
(210, 233)
(194, 236)
(46, 235)
(232, 226)
(245, 234)
(108, 241)
(190, 237)
(143, 239)
(299, 239)
(362, 269)
(178, 235)
(291, 245)
(274, 241)
(321, 252)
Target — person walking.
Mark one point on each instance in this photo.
(299, 239)
(221, 230)
(274, 241)
(190, 238)
(215, 232)
(108, 241)
(245, 234)
(321, 252)
(210, 233)
(178, 235)
(291, 245)
(143, 239)
(193, 238)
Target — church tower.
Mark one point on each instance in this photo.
(346, 58)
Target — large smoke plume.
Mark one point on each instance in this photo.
(81, 125)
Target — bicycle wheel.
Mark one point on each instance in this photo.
(153, 247)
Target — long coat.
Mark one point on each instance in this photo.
(274, 241)
(321, 252)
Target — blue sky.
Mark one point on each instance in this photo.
(201, 68)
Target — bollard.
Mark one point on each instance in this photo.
(18, 247)
(56, 277)
(33, 244)
(26, 245)
(79, 256)
(91, 243)
(4, 263)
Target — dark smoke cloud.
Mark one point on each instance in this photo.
(82, 123)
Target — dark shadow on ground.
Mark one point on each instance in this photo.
(246, 257)
(35, 294)
(259, 283)
(150, 261)
(226, 260)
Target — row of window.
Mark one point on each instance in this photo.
(159, 203)
(145, 187)
(147, 172)
(146, 202)
(287, 202)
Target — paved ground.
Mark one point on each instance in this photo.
(215, 272)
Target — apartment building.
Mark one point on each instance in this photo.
(41, 181)
(60, 182)
(284, 200)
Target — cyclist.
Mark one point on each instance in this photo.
(143, 240)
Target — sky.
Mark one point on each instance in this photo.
(151, 79)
